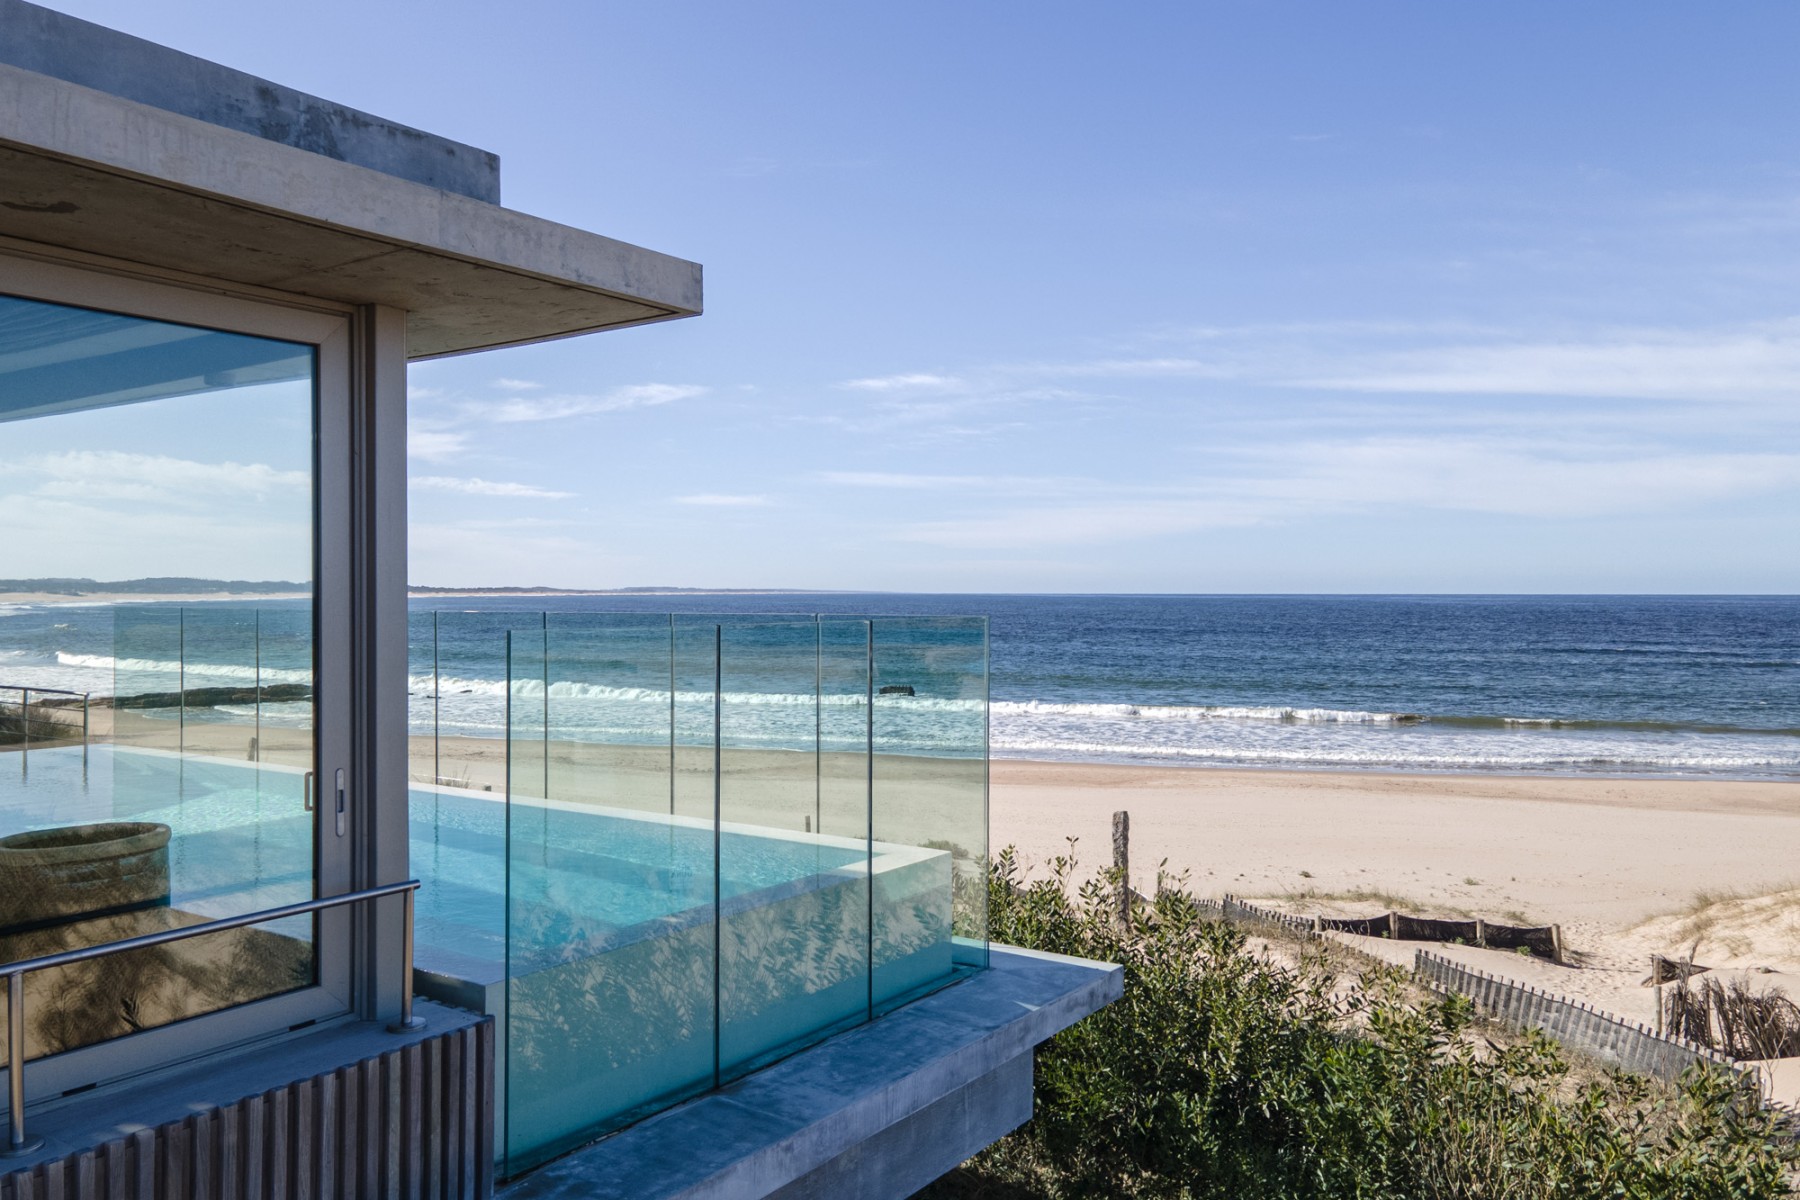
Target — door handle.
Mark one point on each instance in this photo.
(343, 802)
(306, 786)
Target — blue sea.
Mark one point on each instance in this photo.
(1593, 684)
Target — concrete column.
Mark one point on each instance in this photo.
(379, 672)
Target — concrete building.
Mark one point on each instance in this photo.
(649, 962)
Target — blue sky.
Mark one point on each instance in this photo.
(1145, 297)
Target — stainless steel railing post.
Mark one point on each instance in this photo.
(17, 1142)
(407, 1022)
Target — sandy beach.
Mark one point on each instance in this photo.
(1628, 867)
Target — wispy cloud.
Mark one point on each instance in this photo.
(724, 500)
(1272, 485)
(95, 475)
(435, 445)
(1016, 484)
(484, 487)
(913, 382)
(1746, 363)
(552, 408)
(518, 385)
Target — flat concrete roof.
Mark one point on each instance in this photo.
(86, 170)
(53, 43)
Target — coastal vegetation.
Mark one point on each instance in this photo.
(1233, 1068)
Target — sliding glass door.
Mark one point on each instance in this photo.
(173, 629)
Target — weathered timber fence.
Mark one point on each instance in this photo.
(1624, 1044)
(1543, 940)
(1629, 1046)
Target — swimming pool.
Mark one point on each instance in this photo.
(630, 958)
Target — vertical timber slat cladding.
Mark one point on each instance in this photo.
(281, 1141)
(484, 1128)
(302, 1129)
(250, 1121)
(392, 1123)
(434, 1077)
(143, 1163)
(415, 1123)
(452, 1076)
(369, 1073)
(229, 1131)
(411, 1123)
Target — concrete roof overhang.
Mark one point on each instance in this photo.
(87, 171)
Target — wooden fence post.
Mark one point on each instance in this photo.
(1394, 926)
(1556, 946)
(1480, 932)
(1122, 863)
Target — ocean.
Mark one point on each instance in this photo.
(1592, 684)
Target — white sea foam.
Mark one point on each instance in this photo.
(1205, 712)
(1439, 757)
(450, 686)
(190, 671)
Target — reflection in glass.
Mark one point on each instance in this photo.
(148, 459)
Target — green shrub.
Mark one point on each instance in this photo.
(1223, 1073)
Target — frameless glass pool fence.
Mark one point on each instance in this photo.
(726, 839)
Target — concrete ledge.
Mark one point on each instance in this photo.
(848, 1117)
(348, 1109)
(86, 170)
(53, 43)
(94, 1117)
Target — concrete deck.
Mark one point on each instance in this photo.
(876, 1112)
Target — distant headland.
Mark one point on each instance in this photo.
(178, 587)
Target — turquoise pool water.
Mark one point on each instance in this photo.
(241, 841)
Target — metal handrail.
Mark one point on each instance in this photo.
(14, 972)
(48, 691)
(25, 694)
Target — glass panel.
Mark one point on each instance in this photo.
(793, 901)
(610, 914)
(145, 460)
(422, 716)
(929, 806)
(147, 678)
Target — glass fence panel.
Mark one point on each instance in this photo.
(458, 824)
(283, 667)
(928, 803)
(610, 1008)
(610, 711)
(844, 685)
(793, 901)
(422, 715)
(147, 677)
(692, 669)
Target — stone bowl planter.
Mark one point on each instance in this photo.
(52, 876)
